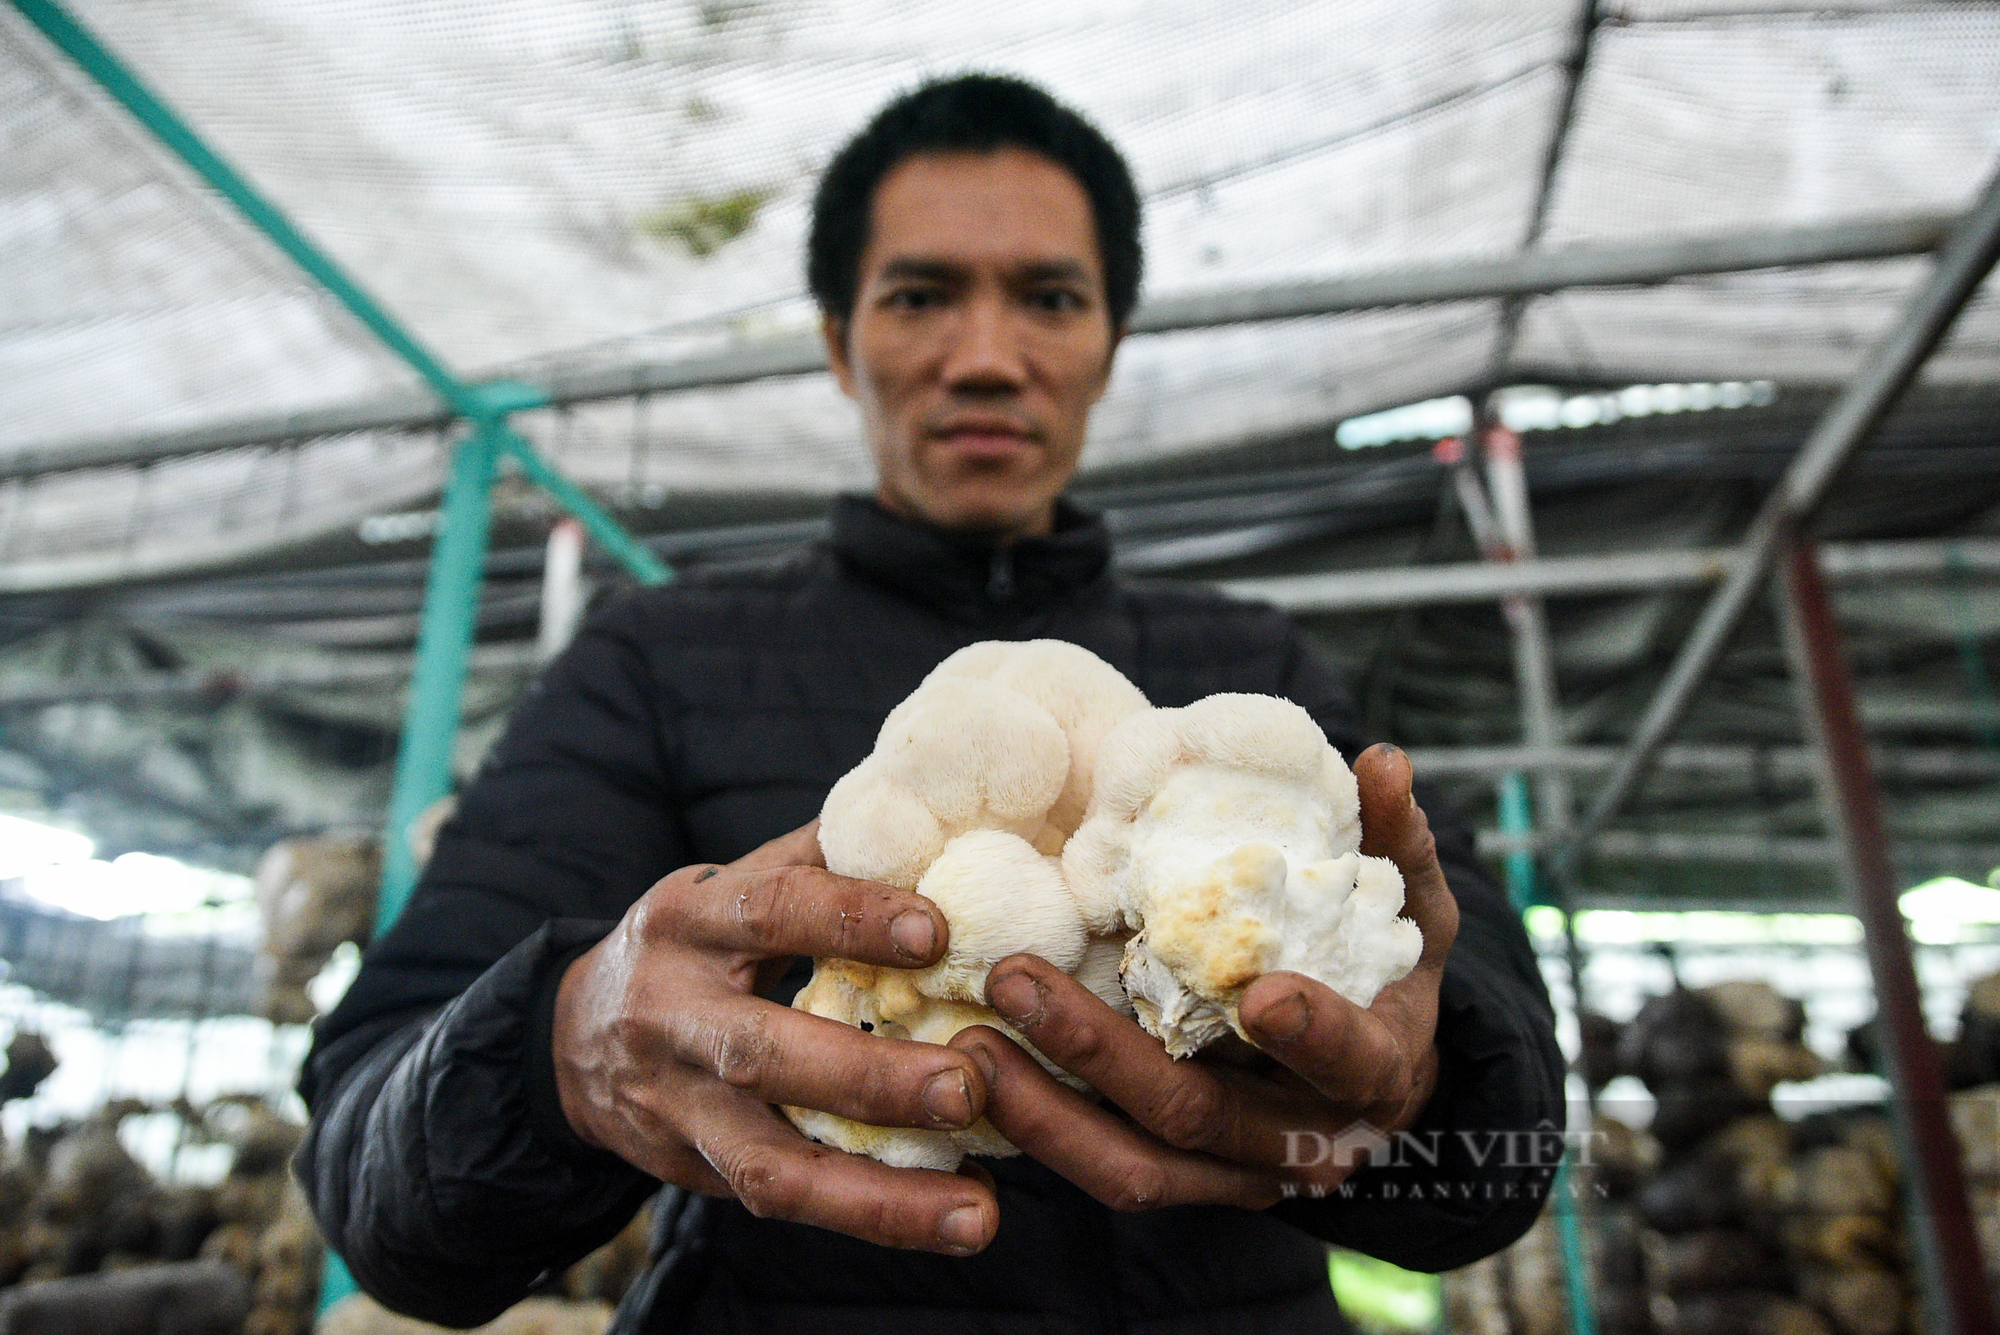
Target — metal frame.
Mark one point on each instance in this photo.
(1577, 576)
(1888, 369)
(1502, 523)
(1318, 594)
(1589, 19)
(1963, 1299)
(1963, 764)
(1529, 274)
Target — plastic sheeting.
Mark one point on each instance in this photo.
(554, 183)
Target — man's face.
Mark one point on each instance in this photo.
(979, 339)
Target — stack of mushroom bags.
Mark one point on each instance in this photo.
(1522, 1290)
(1751, 1222)
(1165, 858)
(1973, 1066)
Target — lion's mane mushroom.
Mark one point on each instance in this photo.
(976, 781)
(1226, 835)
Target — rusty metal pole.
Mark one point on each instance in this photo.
(1854, 810)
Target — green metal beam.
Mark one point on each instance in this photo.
(645, 567)
(451, 600)
(112, 75)
(1578, 1282)
(477, 402)
(1517, 820)
(444, 647)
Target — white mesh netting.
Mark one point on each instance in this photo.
(543, 184)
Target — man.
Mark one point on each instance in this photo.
(582, 1000)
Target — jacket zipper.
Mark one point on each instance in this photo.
(1000, 576)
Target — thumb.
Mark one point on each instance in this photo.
(1393, 826)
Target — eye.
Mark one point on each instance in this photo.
(914, 298)
(1057, 300)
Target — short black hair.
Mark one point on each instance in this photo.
(970, 113)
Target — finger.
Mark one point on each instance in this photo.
(1189, 1105)
(800, 848)
(1393, 826)
(780, 1055)
(779, 1174)
(1350, 1055)
(793, 911)
(1117, 1163)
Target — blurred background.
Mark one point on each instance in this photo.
(1481, 335)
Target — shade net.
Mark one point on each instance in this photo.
(539, 187)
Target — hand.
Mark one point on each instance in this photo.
(665, 1055)
(1208, 1130)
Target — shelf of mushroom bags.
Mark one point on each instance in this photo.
(1738, 1168)
(147, 1112)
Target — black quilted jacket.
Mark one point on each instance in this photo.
(692, 723)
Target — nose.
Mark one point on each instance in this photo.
(985, 355)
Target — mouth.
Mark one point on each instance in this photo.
(985, 436)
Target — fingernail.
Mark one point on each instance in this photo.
(1287, 1019)
(914, 933)
(1019, 998)
(989, 1070)
(948, 1099)
(963, 1229)
(1393, 749)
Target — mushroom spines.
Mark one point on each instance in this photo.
(1085, 696)
(975, 784)
(1001, 898)
(1261, 733)
(1131, 762)
(971, 749)
(875, 829)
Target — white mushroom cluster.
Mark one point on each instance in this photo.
(1165, 858)
(1226, 836)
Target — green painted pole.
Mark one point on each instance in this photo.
(479, 402)
(112, 75)
(645, 567)
(1576, 1256)
(444, 648)
(1517, 822)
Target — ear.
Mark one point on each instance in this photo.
(833, 330)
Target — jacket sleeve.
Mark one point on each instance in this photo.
(438, 1162)
(1472, 1173)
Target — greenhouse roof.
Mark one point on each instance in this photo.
(543, 188)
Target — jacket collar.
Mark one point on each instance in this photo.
(969, 576)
